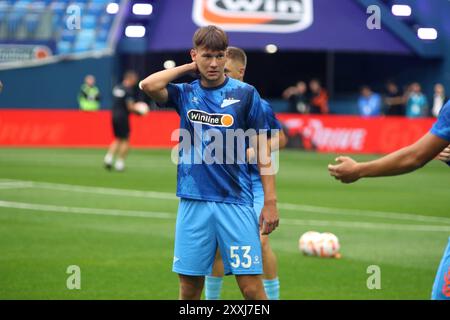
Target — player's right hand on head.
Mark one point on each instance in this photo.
(445, 155)
(346, 170)
(194, 69)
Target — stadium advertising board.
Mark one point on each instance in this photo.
(342, 134)
(258, 16)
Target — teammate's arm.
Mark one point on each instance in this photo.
(278, 141)
(445, 155)
(402, 161)
(155, 85)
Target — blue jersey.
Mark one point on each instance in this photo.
(208, 115)
(273, 124)
(442, 126)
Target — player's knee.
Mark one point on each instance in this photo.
(191, 288)
(251, 292)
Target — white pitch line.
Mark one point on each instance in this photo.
(365, 213)
(368, 225)
(166, 215)
(285, 206)
(15, 184)
(93, 211)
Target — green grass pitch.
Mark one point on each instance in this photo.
(59, 207)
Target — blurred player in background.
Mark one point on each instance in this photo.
(216, 205)
(235, 68)
(125, 96)
(89, 96)
(433, 144)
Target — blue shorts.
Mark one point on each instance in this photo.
(202, 226)
(258, 201)
(441, 287)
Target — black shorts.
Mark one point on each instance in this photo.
(121, 127)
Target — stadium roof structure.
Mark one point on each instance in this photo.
(313, 25)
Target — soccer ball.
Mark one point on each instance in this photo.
(329, 245)
(308, 243)
(325, 245)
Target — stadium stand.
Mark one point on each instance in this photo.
(49, 20)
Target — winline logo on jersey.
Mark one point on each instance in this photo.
(278, 16)
(220, 146)
(214, 119)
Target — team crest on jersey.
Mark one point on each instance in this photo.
(212, 119)
(278, 16)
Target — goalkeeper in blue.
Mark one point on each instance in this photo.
(433, 144)
(235, 68)
(220, 118)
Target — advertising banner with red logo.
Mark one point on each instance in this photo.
(342, 134)
(353, 134)
(63, 128)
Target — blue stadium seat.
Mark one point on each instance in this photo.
(89, 22)
(64, 47)
(31, 22)
(98, 45)
(106, 20)
(58, 7)
(23, 18)
(95, 8)
(68, 35)
(38, 6)
(102, 35)
(80, 46)
(86, 35)
(79, 4)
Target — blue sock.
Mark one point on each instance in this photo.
(272, 288)
(213, 286)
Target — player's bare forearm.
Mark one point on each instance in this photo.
(269, 215)
(278, 141)
(402, 161)
(155, 84)
(405, 160)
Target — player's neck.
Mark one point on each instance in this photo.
(212, 83)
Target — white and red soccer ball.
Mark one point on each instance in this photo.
(325, 245)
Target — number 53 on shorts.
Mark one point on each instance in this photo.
(240, 256)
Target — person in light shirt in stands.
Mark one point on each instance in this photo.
(369, 103)
(417, 105)
(439, 99)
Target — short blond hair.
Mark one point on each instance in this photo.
(237, 54)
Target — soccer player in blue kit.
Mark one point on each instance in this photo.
(431, 145)
(235, 68)
(216, 205)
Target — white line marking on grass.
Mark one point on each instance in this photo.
(367, 225)
(166, 215)
(364, 213)
(285, 206)
(93, 211)
(4, 184)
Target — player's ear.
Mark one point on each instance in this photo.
(193, 54)
(242, 71)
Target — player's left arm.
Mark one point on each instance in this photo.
(260, 143)
(269, 218)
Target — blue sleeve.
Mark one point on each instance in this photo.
(442, 126)
(175, 92)
(256, 118)
(272, 120)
